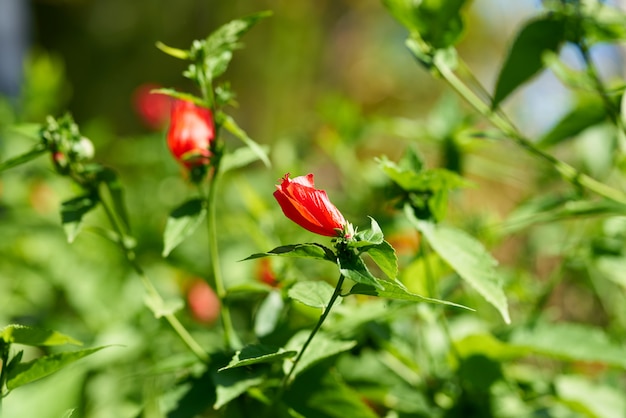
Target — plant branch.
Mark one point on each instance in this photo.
(129, 254)
(500, 121)
(230, 337)
(331, 302)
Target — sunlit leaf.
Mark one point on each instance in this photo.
(269, 313)
(241, 157)
(393, 290)
(468, 258)
(315, 294)
(385, 258)
(352, 267)
(27, 372)
(589, 398)
(231, 126)
(182, 222)
(23, 158)
(73, 211)
(525, 55)
(258, 353)
(173, 52)
(312, 250)
(368, 237)
(21, 334)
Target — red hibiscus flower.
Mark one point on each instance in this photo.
(309, 207)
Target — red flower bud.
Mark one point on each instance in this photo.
(309, 207)
(191, 133)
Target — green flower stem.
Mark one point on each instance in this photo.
(230, 337)
(331, 302)
(178, 327)
(500, 121)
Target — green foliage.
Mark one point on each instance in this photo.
(182, 222)
(524, 60)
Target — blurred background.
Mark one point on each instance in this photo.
(328, 85)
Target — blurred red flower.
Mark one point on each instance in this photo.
(309, 207)
(190, 134)
(152, 108)
(203, 302)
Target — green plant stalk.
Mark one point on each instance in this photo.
(178, 327)
(500, 121)
(230, 337)
(331, 302)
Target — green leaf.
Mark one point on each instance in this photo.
(314, 294)
(72, 212)
(368, 237)
(23, 158)
(589, 398)
(173, 52)
(182, 222)
(572, 342)
(321, 347)
(437, 22)
(160, 307)
(601, 22)
(428, 180)
(352, 267)
(114, 186)
(233, 382)
(240, 157)
(179, 95)
(309, 250)
(258, 353)
(586, 113)
(21, 334)
(269, 313)
(394, 290)
(385, 258)
(231, 126)
(219, 45)
(322, 393)
(468, 258)
(24, 373)
(525, 56)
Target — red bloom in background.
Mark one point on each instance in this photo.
(153, 108)
(203, 302)
(309, 207)
(191, 133)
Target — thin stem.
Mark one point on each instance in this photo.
(500, 121)
(331, 302)
(178, 327)
(230, 337)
